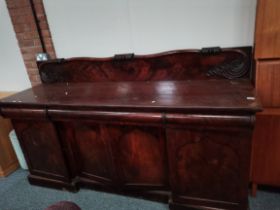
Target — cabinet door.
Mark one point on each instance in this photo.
(42, 149)
(125, 155)
(139, 154)
(209, 164)
(267, 37)
(266, 144)
(92, 152)
(268, 82)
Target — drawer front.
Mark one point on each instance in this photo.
(268, 83)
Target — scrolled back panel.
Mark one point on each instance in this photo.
(230, 63)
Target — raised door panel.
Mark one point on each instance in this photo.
(94, 155)
(266, 144)
(130, 156)
(211, 165)
(140, 155)
(268, 83)
(42, 149)
(267, 35)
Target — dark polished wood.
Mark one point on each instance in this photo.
(196, 152)
(230, 63)
(175, 96)
(39, 139)
(188, 141)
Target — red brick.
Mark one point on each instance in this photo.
(49, 48)
(20, 36)
(52, 54)
(46, 33)
(31, 50)
(35, 78)
(39, 8)
(26, 43)
(33, 71)
(38, 2)
(31, 35)
(20, 11)
(20, 28)
(41, 18)
(17, 3)
(35, 83)
(37, 42)
(24, 27)
(31, 65)
(48, 41)
(44, 25)
(28, 35)
(29, 57)
(23, 19)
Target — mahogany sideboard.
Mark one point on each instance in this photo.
(175, 126)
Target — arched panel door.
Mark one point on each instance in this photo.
(209, 165)
(42, 149)
(140, 155)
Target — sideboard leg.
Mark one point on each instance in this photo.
(254, 189)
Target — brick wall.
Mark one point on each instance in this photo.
(28, 33)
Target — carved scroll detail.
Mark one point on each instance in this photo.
(230, 70)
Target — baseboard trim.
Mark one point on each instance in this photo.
(51, 183)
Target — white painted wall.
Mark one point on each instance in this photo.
(106, 27)
(13, 76)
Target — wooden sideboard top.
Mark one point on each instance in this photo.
(230, 96)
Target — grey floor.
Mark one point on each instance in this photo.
(17, 194)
